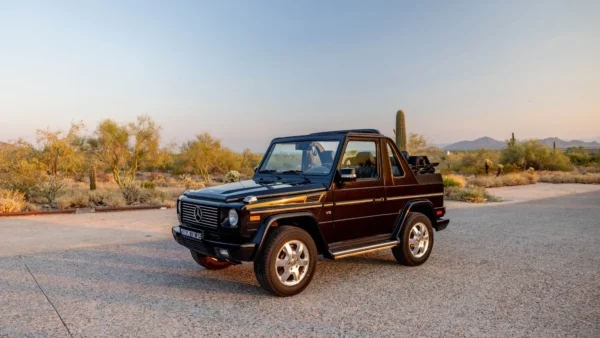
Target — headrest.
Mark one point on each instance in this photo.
(364, 158)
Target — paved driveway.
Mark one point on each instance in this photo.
(524, 269)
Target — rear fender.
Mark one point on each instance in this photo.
(422, 206)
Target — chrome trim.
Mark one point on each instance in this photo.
(413, 196)
(372, 216)
(274, 209)
(354, 202)
(365, 249)
(328, 205)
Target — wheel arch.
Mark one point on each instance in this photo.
(303, 220)
(422, 206)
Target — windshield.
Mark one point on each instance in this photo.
(306, 157)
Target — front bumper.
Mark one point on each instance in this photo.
(235, 252)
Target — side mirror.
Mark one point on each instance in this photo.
(255, 169)
(347, 174)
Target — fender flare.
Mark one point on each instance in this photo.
(261, 235)
(404, 215)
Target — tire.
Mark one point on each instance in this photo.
(416, 240)
(287, 251)
(208, 262)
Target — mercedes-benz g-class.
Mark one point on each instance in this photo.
(335, 194)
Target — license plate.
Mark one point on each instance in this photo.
(192, 234)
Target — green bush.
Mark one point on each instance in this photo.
(470, 195)
(148, 185)
(454, 181)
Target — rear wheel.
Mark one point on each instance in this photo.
(208, 262)
(287, 261)
(416, 240)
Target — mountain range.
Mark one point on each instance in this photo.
(490, 143)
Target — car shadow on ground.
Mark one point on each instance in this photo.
(127, 270)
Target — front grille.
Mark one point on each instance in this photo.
(210, 215)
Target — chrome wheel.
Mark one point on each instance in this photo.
(418, 240)
(292, 263)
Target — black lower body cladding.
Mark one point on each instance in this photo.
(235, 252)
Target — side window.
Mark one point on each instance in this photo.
(396, 166)
(362, 155)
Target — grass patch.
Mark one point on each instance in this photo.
(470, 195)
(11, 201)
(522, 178)
(456, 181)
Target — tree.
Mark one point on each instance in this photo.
(56, 151)
(200, 155)
(417, 143)
(126, 148)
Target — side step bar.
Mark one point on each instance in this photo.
(364, 249)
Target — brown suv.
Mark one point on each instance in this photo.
(335, 194)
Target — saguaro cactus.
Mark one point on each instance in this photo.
(512, 141)
(554, 147)
(93, 178)
(400, 130)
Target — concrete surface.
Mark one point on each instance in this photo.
(523, 269)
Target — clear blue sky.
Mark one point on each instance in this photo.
(248, 71)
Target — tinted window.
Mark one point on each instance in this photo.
(396, 166)
(361, 155)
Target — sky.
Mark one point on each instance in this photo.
(248, 71)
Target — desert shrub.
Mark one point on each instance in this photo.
(11, 200)
(504, 180)
(30, 207)
(511, 168)
(190, 183)
(232, 176)
(148, 185)
(470, 195)
(132, 194)
(107, 198)
(51, 189)
(73, 199)
(533, 153)
(454, 181)
(570, 178)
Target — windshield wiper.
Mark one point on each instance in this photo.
(299, 173)
(270, 172)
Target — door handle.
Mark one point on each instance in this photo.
(378, 199)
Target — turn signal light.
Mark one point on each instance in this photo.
(255, 218)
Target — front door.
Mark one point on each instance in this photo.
(358, 206)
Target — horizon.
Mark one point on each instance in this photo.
(247, 73)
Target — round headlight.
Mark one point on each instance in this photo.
(233, 218)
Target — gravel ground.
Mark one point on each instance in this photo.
(525, 269)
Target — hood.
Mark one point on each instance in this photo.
(238, 190)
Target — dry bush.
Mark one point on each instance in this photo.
(452, 180)
(190, 183)
(73, 199)
(562, 177)
(107, 198)
(512, 179)
(470, 195)
(11, 201)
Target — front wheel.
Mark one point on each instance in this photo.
(286, 264)
(416, 240)
(208, 262)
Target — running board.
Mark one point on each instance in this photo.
(363, 249)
